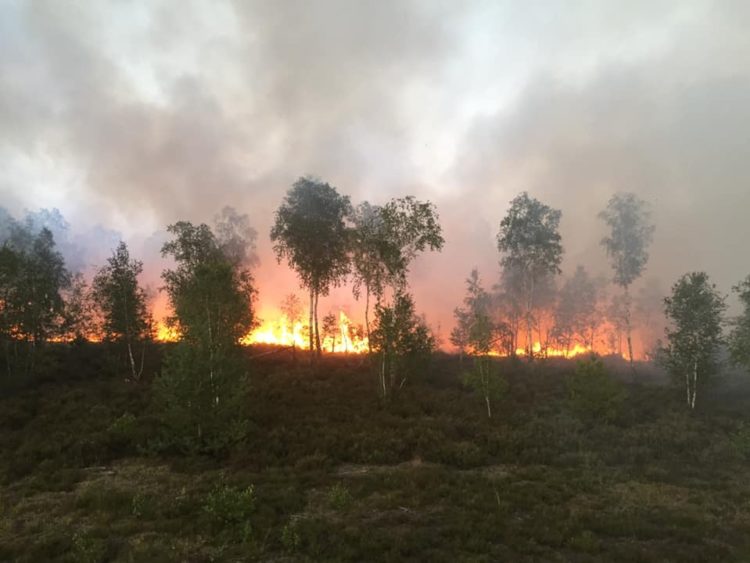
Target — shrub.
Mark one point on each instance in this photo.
(593, 394)
(230, 508)
(201, 405)
(338, 497)
(290, 537)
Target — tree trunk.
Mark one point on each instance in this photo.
(367, 318)
(310, 323)
(529, 322)
(695, 383)
(628, 327)
(489, 409)
(317, 328)
(132, 360)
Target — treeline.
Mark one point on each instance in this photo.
(326, 240)
(527, 301)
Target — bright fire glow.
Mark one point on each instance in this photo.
(165, 333)
(551, 352)
(343, 338)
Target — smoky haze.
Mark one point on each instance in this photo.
(128, 117)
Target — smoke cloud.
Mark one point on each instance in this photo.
(130, 117)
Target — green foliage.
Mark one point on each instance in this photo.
(200, 391)
(211, 295)
(290, 536)
(310, 233)
(402, 343)
(529, 239)
(739, 338)
(593, 394)
(32, 309)
(123, 428)
(530, 245)
(88, 549)
(695, 310)
(409, 227)
(385, 240)
(201, 400)
(486, 379)
(121, 303)
(230, 509)
(338, 496)
(478, 334)
(228, 505)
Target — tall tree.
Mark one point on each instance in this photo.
(121, 302)
(211, 296)
(631, 232)
(695, 311)
(385, 240)
(35, 278)
(530, 245)
(310, 233)
(739, 338)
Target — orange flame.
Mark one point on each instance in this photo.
(282, 332)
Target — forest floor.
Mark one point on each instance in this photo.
(327, 473)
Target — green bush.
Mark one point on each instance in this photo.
(230, 508)
(201, 402)
(290, 538)
(338, 497)
(593, 394)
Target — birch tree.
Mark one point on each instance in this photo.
(33, 279)
(631, 232)
(121, 303)
(385, 241)
(694, 311)
(401, 342)
(481, 335)
(212, 297)
(529, 243)
(310, 232)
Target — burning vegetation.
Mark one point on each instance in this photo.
(327, 241)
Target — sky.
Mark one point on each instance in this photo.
(128, 116)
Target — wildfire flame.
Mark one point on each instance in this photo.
(282, 332)
(552, 352)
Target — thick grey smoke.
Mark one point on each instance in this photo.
(133, 116)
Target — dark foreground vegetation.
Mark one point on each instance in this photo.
(325, 472)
